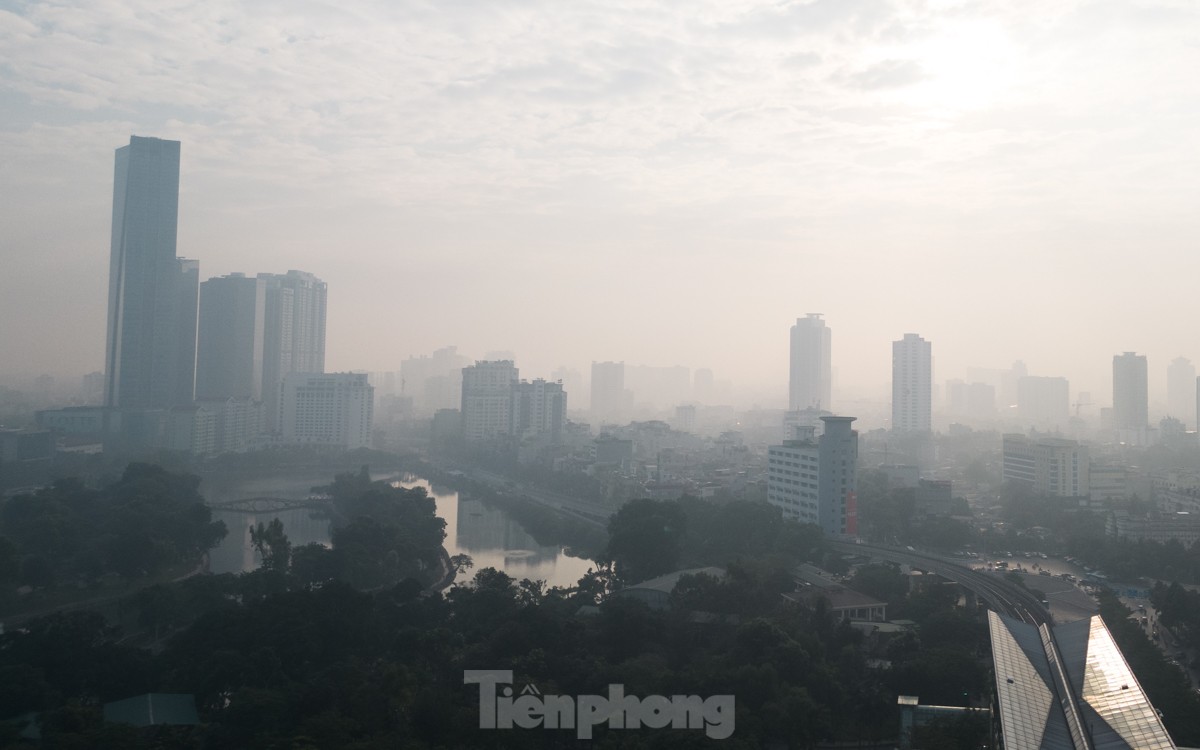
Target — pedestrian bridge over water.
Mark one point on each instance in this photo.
(273, 504)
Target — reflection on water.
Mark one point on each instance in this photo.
(495, 540)
(487, 534)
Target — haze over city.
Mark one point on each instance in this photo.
(641, 183)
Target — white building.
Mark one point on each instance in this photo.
(1051, 466)
(812, 480)
(912, 384)
(793, 475)
(293, 332)
(810, 383)
(487, 389)
(334, 409)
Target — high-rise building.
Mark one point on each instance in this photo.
(229, 361)
(813, 480)
(150, 358)
(487, 389)
(539, 409)
(1044, 402)
(811, 377)
(1181, 391)
(608, 391)
(912, 384)
(334, 409)
(293, 332)
(1050, 466)
(1130, 399)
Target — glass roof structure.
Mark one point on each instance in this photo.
(1069, 687)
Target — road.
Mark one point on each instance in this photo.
(1001, 595)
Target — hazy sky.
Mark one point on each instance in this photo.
(649, 181)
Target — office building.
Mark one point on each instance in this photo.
(813, 479)
(538, 410)
(912, 384)
(1181, 391)
(293, 333)
(811, 380)
(1050, 466)
(1044, 402)
(334, 409)
(487, 388)
(608, 392)
(229, 361)
(150, 357)
(1130, 399)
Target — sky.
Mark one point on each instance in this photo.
(655, 182)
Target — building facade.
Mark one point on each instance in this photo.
(813, 479)
(229, 360)
(294, 307)
(539, 409)
(1044, 402)
(1130, 398)
(487, 388)
(150, 354)
(608, 391)
(912, 384)
(331, 409)
(1181, 391)
(1050, 466)
(810, 382)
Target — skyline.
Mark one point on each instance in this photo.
(717, 173)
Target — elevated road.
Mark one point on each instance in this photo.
(1001, 595)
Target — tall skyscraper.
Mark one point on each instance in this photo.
(811, 379)
(487, 389)
(1130, 408)
(1181, 391)
(293, 332)
(912, 384)
(230, 351)
(608, 391)
(150, 357)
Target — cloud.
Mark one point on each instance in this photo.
(888, 74)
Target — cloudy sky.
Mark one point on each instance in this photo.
(658, 182)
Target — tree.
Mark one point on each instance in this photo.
(645, 538)
(461, 563)
(272, 545)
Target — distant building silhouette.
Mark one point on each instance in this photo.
(229, 360)
(608, 391)
(1181, 391)
(811, 379)
(1130, 399)
(912, 384)
(150, 358)
(1044, 402)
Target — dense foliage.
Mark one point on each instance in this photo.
(139, 525)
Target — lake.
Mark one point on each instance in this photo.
(489, 535)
